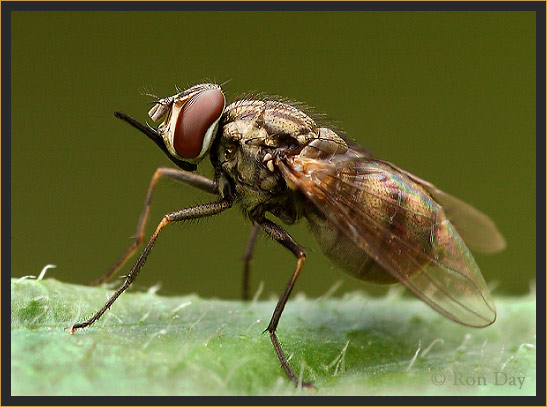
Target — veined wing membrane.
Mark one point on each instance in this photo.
(477, 229)
(398, 224)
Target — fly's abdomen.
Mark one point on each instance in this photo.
(344, 253)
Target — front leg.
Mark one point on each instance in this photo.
(200, 211)
(283, 237)
(186, 177)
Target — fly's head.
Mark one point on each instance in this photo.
(191, 120)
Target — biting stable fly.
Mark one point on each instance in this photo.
(376, 221)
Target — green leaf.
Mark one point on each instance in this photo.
(354, 345)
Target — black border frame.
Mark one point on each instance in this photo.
(8, 7)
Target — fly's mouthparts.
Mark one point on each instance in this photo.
(154, 135)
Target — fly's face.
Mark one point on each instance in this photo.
(191, 121)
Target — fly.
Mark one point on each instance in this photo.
(377, 222)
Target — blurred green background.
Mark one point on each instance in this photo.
(449, 96)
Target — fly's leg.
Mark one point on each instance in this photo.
(279, 234)
(198, 181)
(195, 212)
(247, 257)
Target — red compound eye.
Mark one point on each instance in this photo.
(196, 122)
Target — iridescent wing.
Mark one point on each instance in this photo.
(477, 230)
(394, 219)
